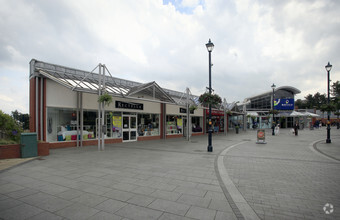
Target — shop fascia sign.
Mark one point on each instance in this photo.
(284, 104)
(184, 110)
(215, 112)
(129, 105)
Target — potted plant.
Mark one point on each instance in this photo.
(237, 128)
(105, 98)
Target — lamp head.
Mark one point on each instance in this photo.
(273, 86)
(210, 46)
(328, 67)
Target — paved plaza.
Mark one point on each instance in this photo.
(290, 177)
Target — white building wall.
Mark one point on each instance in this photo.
(174, 110)
(59, 96)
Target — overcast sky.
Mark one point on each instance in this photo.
(257, 43)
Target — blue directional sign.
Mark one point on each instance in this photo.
(284, 104)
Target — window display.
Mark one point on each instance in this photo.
(148, 124)
(196, 124)
(174, 124)
(62, 125)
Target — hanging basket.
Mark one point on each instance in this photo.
(105, 98)
(212, 99)
(274, 111)
(192, 107)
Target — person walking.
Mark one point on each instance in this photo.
(296, 127)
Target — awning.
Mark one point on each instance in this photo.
(309, 114)
(296, 114)
(253, 114)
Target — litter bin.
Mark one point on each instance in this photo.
(28, 145)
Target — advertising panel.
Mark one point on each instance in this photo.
(284, 104)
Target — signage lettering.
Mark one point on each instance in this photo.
(184, 110)
(284, 104)
(129, 105)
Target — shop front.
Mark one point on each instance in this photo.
(217, 119)
(176, 121)
(65, 109)
(125, 119)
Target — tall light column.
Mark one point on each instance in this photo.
(273, 87)
(210, 47)
(328, 140)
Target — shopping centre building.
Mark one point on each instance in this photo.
(65, 112)
(258, 108)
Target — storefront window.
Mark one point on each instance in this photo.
(196, 123)
(62, 125)
(148, 124)
(90, 125)
(174, 124)
(115, 125)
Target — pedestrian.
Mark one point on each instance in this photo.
(277, 129)
(296, 127)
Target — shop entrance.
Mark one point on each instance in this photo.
(185, 126)
(129, 128)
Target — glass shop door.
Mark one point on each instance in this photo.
(129, 128)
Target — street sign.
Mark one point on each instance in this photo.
(261, 136)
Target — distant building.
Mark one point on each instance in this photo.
(257, 107)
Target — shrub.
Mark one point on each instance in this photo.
(9, 127)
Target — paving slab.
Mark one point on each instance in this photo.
(177, 179)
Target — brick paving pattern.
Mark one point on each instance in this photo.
(175, 179)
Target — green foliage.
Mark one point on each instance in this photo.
(318, 100)
(10, 127)
(335, 89)
(212, 99)
(328, 108)
(274, 111)
(192, 107)
(105, 98)
(22, 118)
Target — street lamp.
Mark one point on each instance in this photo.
(273, 87)
(328, 140)
(210, 47)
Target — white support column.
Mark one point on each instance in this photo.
(188, 116)
(99, 130)
(78, 118)
(41, 108)
(225, 116)
(37, 106)
(81, 119)
(103, 110)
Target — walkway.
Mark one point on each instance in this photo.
(176, 179)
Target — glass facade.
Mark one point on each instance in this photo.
(174, 124)
(265, 102)
(148, 124)
(62, 125)
(196, 123)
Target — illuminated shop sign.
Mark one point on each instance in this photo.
(284, 104)
(129, 105)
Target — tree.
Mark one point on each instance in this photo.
(22, 118)
(315, 101)
(9, 127)
(319, 100)
(300, 104)
(335, 89)
(310, 102)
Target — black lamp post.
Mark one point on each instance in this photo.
(328, 140)
(273, 87)
(210, 47)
